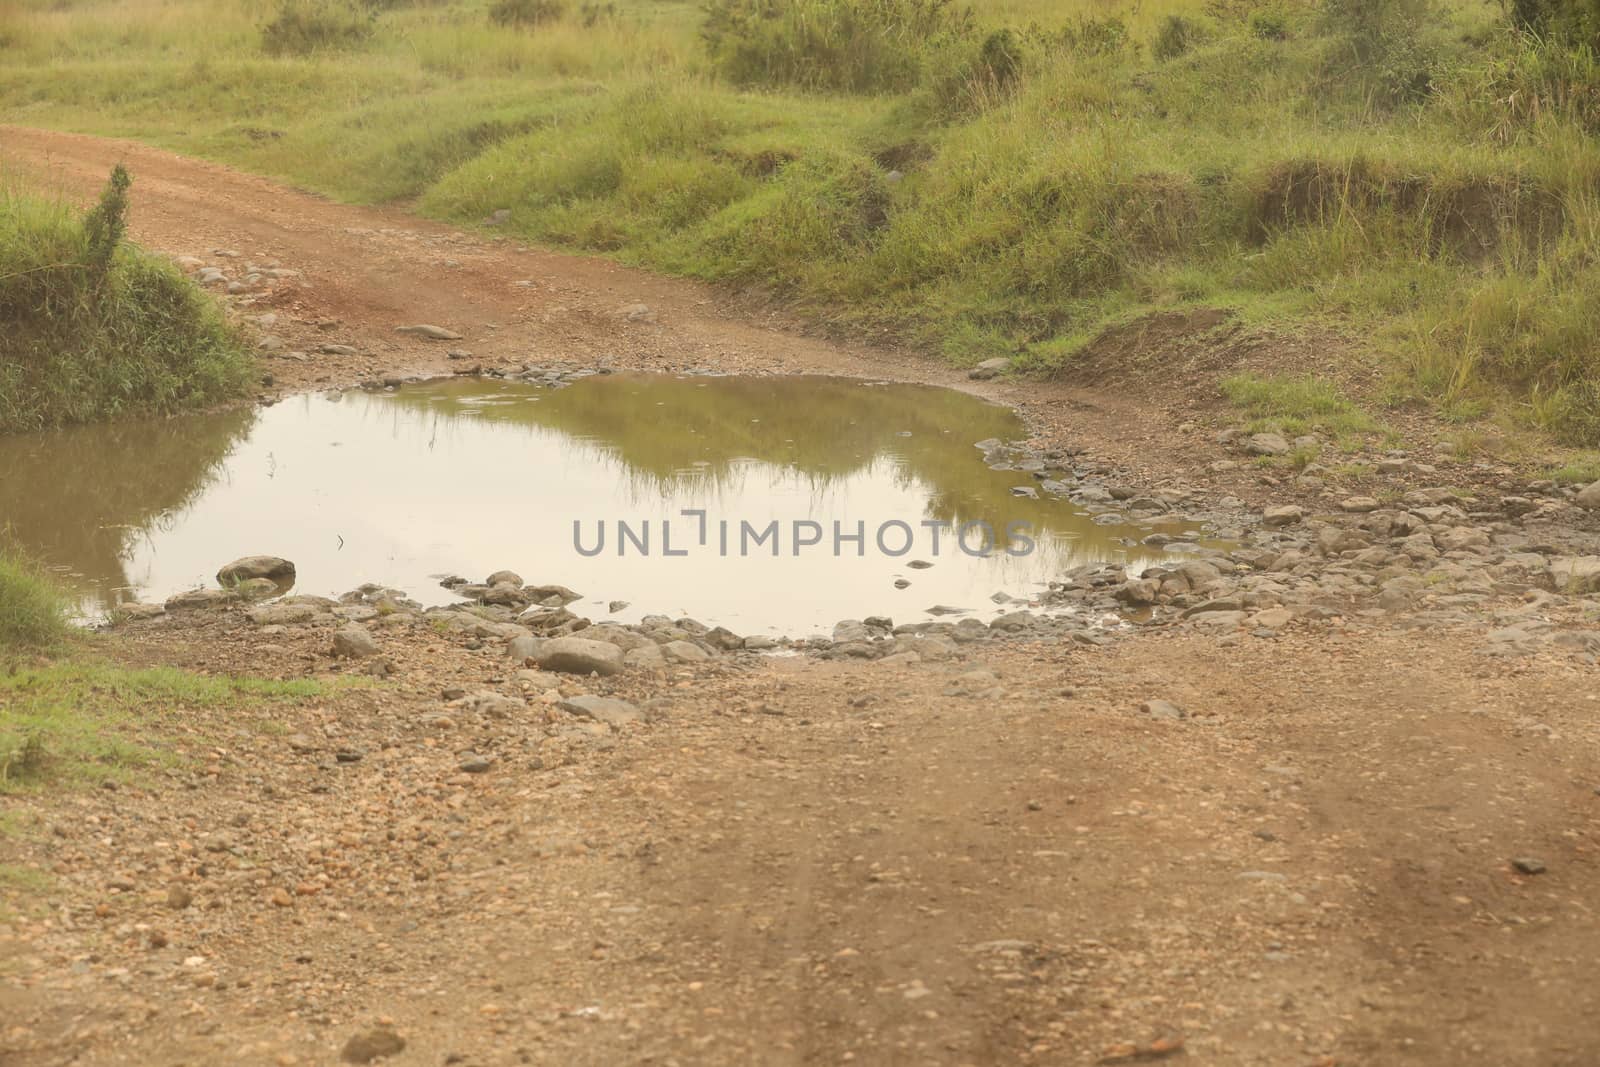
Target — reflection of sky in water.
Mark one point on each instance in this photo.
(399, 489)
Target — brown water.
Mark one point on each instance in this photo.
(468, 477)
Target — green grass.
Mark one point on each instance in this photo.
(1297, 405)
(83, 722)
(1429, 186)
(33, 611)
(96, 328)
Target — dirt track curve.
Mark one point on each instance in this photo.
(797, 861)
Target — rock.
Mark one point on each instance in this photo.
(1573, 575)
(1162, 709)
(272, 568)
(1589, 497)
(374, 1044)
(179, 897)
(522, 647)
(132, 612)
(638, 313)
(1528, 865)
(511, 578)
(609, 710)
(475, 765)
(283, 614)
(647, 656)
(432, 333)
(354, 642)
(760, 643)
(1273, 618)
(336, 350)
(1267, 444)
(539, 594)
(196, 599)
(684, 652)
(1283, 515)
(989, 368)
(1359, 504)
(577, 655)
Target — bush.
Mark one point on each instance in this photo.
(853, 45)
(1269, 25)
(1176, 36)
(95, 327)
(1384, 37)
(305, 27)
(33, 611)
(525, 12)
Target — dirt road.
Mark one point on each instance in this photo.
(991, 859)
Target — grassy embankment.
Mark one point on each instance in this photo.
(1420, 178)
(96, 328)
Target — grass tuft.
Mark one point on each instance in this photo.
(95, 327)
(33, 610)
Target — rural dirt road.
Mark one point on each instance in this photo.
(991, 859)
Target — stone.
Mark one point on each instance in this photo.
(578, 655)
(760, 643)
(272, 568)
(1573, 575)
(432, 333)
(1589, 497)
(475, 765)
(1528, 865)
(1283, 515)
(1267, 444)
(1162, 709)
(989, 368)
(1359, 504)
(639, 313)
(196, 599)
(375, 1044)
(522, 647)
(131, 612)
(609, 710)
(336, 350)
(257, 588)
(283, 614)
(354, 642)
(684, 652)
(647, 656)
(511, 578)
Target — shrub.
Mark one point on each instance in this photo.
(1176, 36)
(305, 27)
(1384, 38)
(525, 12)
(852, 45)
(1269, 25)
(33, 611)
(95, 327)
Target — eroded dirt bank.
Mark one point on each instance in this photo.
(1344, 813)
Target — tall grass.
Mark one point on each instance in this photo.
(1006, 183)
(33, 610)
(96, 328)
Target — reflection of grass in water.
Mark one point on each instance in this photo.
(78, 497)
(817, 431)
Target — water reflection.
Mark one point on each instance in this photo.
(471, 476)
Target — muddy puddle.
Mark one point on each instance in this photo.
(763, 504)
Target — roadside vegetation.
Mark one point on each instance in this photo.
(70, 715)
(94, 327)
(1001, 179)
